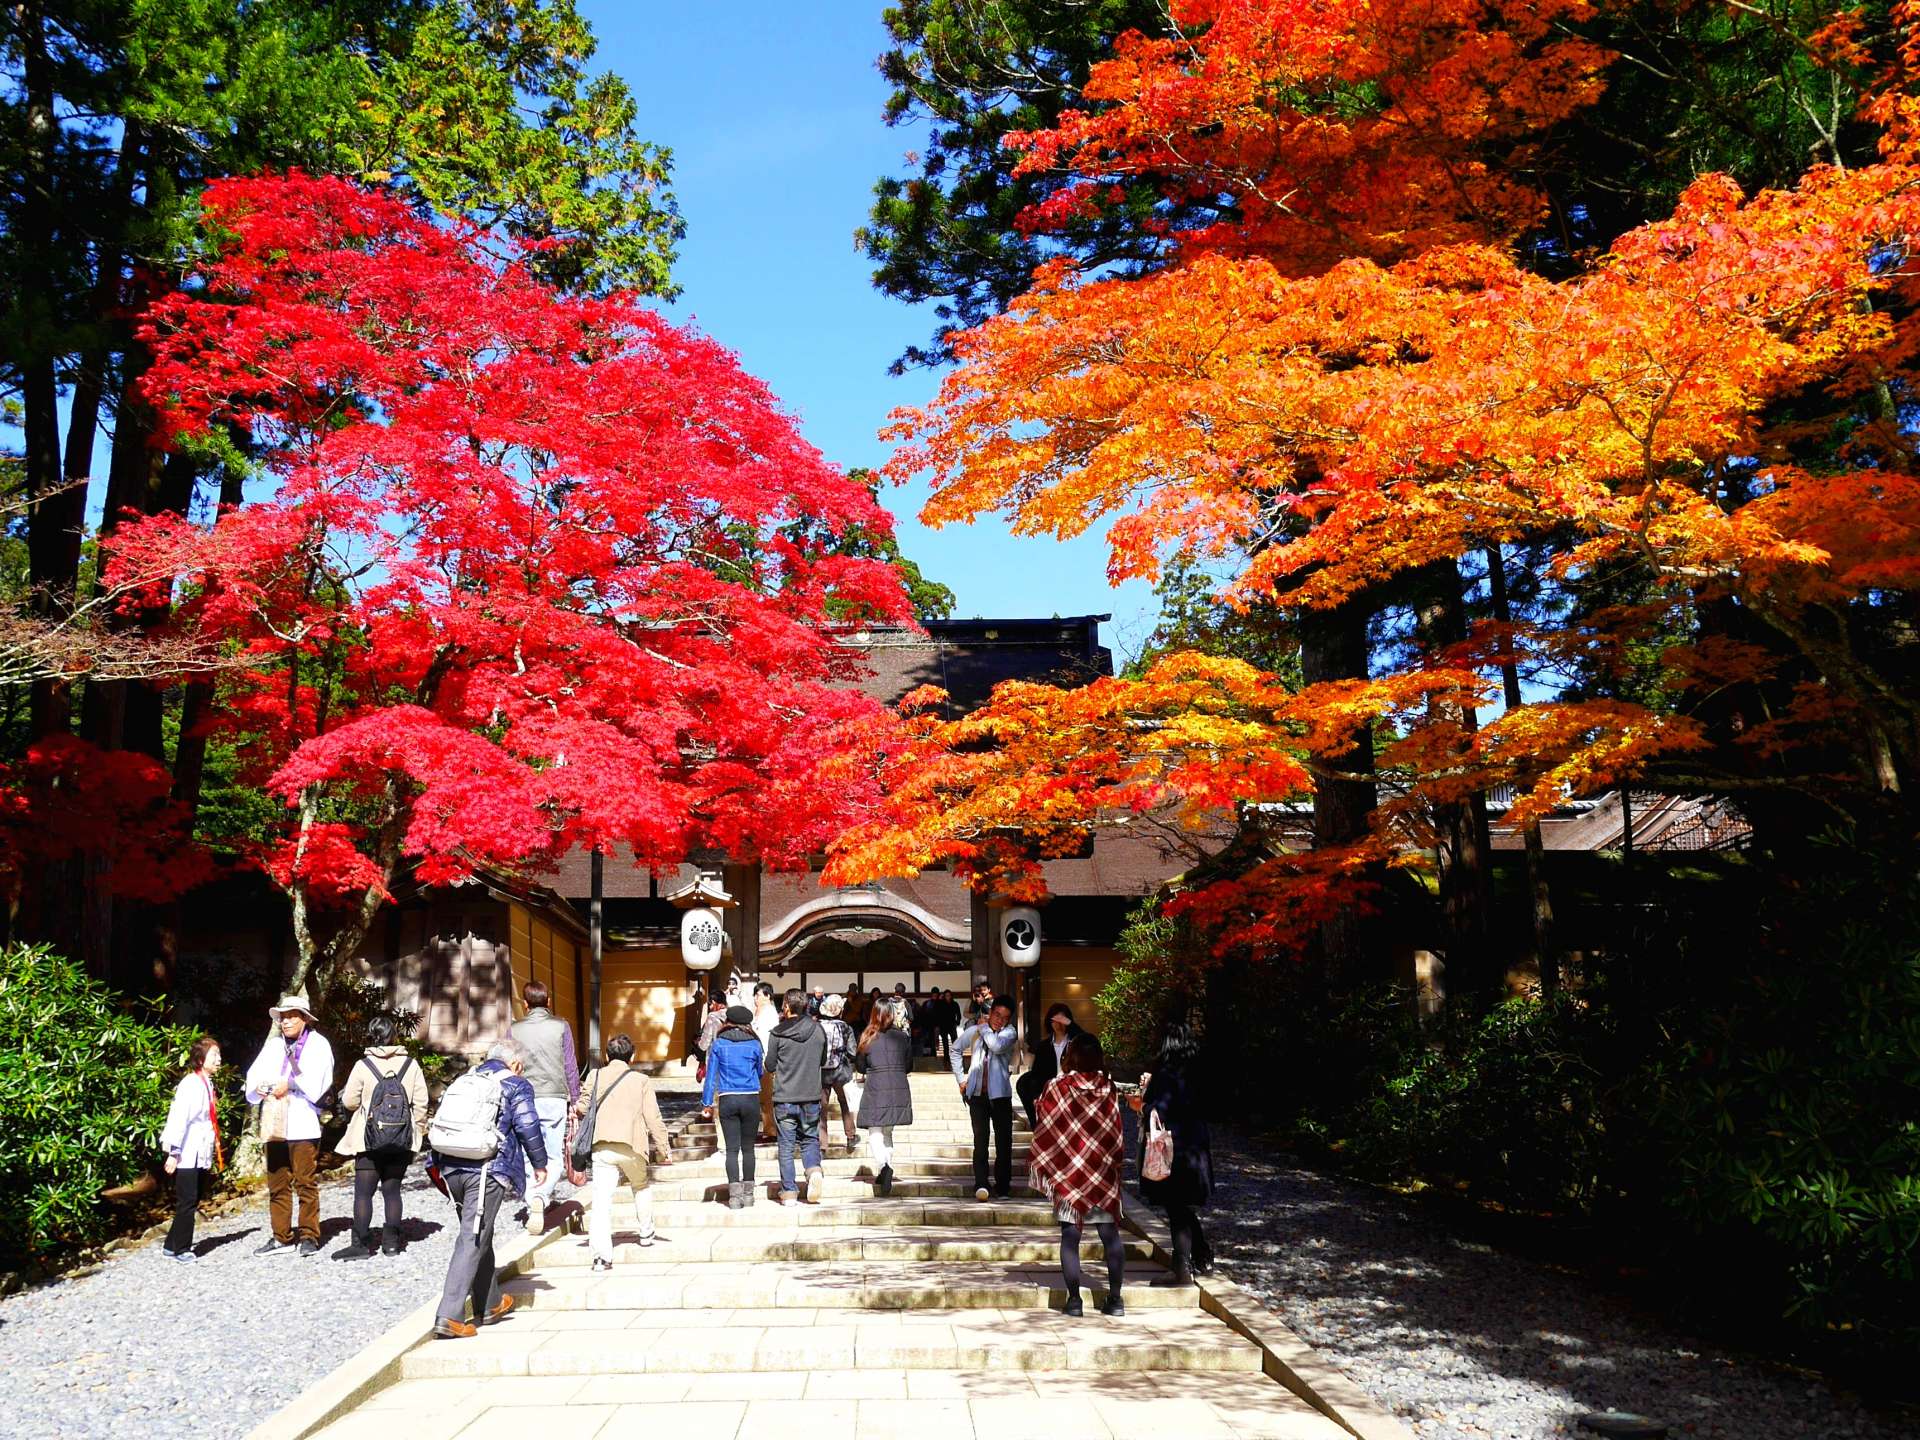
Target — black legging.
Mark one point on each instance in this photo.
(1070, 1255)
(187, 1185)
(385, 1168)
(739, 1117)
(1190, 1248)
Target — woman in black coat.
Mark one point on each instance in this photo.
(887, 1100)
(1046, 1047)
(1173, 1092)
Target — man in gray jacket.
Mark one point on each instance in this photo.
(796, 1054)
(546, 1042)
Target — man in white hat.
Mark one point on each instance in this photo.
(287, 1078)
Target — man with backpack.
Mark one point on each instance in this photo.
(796, 1058)
(386, 1095)
(485, 1136)
(554, 1072)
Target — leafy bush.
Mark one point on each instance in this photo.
(1508, 1104)
(1150, 983)
(344, 1007)
(1790, 1119)
(85, 1081)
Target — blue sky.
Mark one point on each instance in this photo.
(773, 114)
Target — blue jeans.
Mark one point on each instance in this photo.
(552, 1110)
(798, 1125)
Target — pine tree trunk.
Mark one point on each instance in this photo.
(1466, 891)
(1333, 646)
(1546, 957)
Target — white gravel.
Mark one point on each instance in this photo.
(148, 1345)
(1464, 1342)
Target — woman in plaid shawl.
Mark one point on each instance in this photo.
(1076, 1161)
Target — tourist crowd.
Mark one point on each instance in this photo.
(506, 1130)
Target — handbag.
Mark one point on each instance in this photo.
(273, 1109)
(1157, 1162)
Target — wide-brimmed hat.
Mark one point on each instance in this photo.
(296, 1001)
(832, 1006)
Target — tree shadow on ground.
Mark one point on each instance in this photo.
(1458, 1335)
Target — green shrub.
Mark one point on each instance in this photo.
(1789, 1119)
(85, 1081)
(1153, 981)
(345, 1006)
(1507, 1104)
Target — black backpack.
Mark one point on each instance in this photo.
(389, 1111)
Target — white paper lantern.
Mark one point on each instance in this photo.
(1020, 936)
(702, 937)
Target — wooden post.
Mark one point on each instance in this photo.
(596, 944)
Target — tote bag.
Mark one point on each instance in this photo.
(1157, 1163)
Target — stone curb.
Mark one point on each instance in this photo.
(377, 1364)
(1285, 1356)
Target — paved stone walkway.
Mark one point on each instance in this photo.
(927, 1314)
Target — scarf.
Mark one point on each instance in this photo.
(1078, 1145)
(213, 1119)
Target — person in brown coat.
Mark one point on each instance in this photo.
(396, 1139)
(627, 1128)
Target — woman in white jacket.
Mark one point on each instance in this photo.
(192, 1142)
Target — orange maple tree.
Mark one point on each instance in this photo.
(1356, 379)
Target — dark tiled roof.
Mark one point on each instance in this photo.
(967, 658)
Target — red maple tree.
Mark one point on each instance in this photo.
(527, 577)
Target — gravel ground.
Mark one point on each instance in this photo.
(1465, 1342)
(215, 1347)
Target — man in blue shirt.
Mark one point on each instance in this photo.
(988, 1090)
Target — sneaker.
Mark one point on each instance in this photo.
(500, 1311)
(536, 1217)
(185, 1257)
(645, 1241)
(983, 1193)
(816, 1185)
(309, 1249)
(602, 1267)
(453, 1330)
(789, 1197)
(275, 1247)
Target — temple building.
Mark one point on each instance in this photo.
(457, 955)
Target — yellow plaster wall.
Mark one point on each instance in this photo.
(1075, 975)
(643, 994)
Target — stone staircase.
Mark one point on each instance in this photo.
(926, 1314)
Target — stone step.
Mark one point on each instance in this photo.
(848, 1209)
(712, 1188)
(942, 1132)
(748, 1342)
(861, 1285)
(921, 1167)
(910, 1148)
(871, 1404)
(844, 1243)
